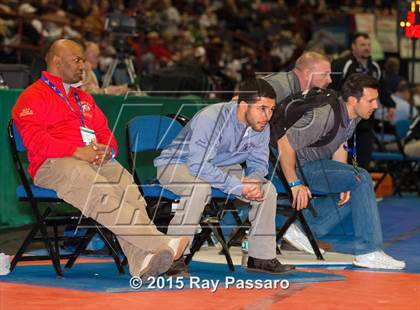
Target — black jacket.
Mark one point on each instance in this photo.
(343, 67)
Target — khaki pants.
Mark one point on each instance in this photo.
(195, 194)
(412, 148)
(108, 195)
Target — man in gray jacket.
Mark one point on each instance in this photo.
(311, 70)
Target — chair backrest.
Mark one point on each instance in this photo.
(151, 132)
(16, 147)
(14, 135)
(401, 128)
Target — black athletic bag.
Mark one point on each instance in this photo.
(296, 105)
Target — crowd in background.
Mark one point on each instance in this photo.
(229, 40)
(200, 44)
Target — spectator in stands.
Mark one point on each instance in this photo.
(90, 82)
(390, 81)
(81, 8)
(207, 19)
(96, 19)
(6, 32)
(404, 109)
(412, 140)
(326, 169)
(156, 52)
(55, 24)
(71, 150)
(208, 152)
(416, 96)
(168, 17)
(234, 21)
(359, 61)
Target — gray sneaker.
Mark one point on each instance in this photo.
(298, 239)
(378, 260)
(155, 264)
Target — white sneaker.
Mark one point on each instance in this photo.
(378, 260)
(4, 264)
(299, 240)
(178, 246)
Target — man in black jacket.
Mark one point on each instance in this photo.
(358, 61)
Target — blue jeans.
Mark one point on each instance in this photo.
(332, 177)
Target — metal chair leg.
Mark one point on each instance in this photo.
(286, 226)
(23, 247)
(55, 256)
(198, 241)
(217, 231)
(57, 249)
(310, 236)
(80, 247)
(112, 247)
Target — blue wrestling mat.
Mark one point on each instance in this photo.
(400, 219)
(103, 277)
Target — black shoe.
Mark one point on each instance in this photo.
(178, 269)
(272, 266)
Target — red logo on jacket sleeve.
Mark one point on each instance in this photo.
(26, 112)
(87, 109)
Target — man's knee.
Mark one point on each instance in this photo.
(202, 190)
(64, 171)
(270, 192)
(365, 176)
(270, 199)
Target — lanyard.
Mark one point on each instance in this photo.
(64, 98)
(353, 152)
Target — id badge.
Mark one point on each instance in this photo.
(88, 135)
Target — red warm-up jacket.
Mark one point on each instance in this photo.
(49, 128)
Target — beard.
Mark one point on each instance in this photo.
(366, 55)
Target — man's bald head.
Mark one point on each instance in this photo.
(65, 59)
(308, 59)
(313, 70)
(59, 46)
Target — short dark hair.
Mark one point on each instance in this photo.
(252, 89)
(356, 35)
(403, 85)
(355, 83)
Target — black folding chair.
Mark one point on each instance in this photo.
(34, 195)
(278, 179)
(283, 189)
(403, 169)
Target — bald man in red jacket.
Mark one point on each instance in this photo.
(71, 150)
